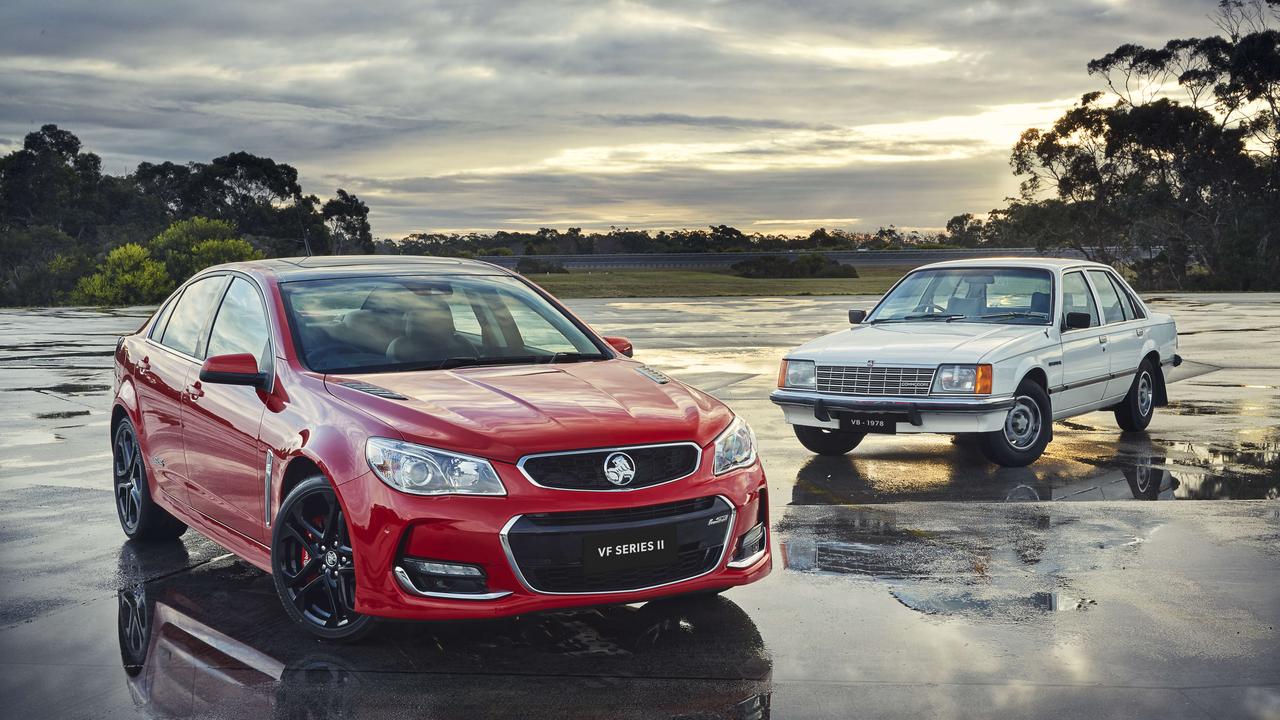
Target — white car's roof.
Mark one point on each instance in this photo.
(1044, 263)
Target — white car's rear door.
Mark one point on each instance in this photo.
(1124, 333)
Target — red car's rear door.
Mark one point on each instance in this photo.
(221, 422)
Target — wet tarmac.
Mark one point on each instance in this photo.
(912, 579)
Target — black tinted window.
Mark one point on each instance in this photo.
(185, 332)
(241, 324)
(380, 324)
(157, 330)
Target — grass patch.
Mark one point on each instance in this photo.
(707, 283)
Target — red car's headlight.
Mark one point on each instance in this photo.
(736, 447)
(422, 470)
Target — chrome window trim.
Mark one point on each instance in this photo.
(696, 466)
(407, 585)
(515, 567)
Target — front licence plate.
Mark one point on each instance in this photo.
(627, 549)
(870, 422)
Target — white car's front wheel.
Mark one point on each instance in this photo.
(827, 442)
(1028, 427)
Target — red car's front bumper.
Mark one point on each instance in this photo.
(387, 524)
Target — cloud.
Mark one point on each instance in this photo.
(491, 114)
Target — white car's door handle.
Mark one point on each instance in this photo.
(1102, 339)
(1141, 332)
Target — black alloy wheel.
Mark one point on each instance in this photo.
(140, 517)
(134, 627)
(313, 565)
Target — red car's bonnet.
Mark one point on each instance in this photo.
(506, 412)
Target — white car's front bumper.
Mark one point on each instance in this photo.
(913, 414)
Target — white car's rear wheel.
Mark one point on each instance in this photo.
(1134, 413)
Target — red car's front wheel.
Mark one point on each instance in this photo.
(313, 565)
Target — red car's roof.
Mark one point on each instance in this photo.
(320, 267)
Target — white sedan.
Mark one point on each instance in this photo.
(996, 349)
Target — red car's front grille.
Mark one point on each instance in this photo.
(585, 470)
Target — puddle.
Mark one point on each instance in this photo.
(1196, 407)
(64, 389)
(1129, 470)
(1015, 569)
(64, 415)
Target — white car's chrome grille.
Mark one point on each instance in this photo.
(874, 380)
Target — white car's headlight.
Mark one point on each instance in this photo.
(735, 448)
(963, 379)
(797, 374)
(422, 470)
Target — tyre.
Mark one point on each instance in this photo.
(827, 442)
(1134, 413)
(133, 627)
(1027, 429)
(140, 517)
(312, 563)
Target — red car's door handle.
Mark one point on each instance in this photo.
(194, 392)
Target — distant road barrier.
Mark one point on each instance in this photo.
(640, 261)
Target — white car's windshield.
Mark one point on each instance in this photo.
(1021, 296)
(388, 324)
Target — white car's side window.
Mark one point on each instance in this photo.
(1113, 306)
(1076, 297)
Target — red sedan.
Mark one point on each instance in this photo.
(426, 438)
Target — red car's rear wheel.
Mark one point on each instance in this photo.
(140, 517)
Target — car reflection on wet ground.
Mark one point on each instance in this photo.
(214, 643)
(912, 579)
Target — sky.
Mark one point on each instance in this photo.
(768, 115)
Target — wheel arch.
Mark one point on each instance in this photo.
(296, 469)
(1037, 375)
(1161, 392)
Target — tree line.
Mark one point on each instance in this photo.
(70, 232)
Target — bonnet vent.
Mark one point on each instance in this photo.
(653, 375)
(365, 387)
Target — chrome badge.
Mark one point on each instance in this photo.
(619, 468)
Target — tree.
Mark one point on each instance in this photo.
(964, 230)
(176, 246)
(347, 219)
(129, 276)
(1181, 185)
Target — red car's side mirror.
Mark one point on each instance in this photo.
(233, 369)
(620, 344)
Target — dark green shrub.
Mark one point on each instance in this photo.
(534, 266)
(807, 265)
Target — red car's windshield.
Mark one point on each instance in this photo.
(388, 324)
